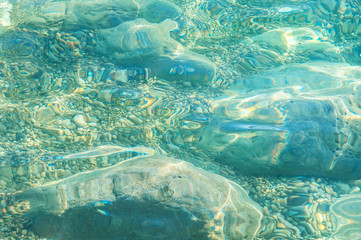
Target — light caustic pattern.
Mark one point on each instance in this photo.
(260, 87)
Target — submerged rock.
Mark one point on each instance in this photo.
(187, 67)
(143, 198)
(303, 41)
(347, 217)
(300, 119)
(135, 41)
(90, 14)
(149, 45)
(99, 15)
(156, 11)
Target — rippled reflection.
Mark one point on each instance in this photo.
(264, 93)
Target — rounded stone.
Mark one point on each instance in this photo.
(151, 196)
(80, 120)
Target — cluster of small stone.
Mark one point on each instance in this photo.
(12, 223)
(93, 107)
(297, 207)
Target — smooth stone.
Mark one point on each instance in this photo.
(105, 96)
(187, 67)
(275, 38)
(61, 172)
(6, 172)
(44, 114)
(346, 218)
(67, 132)
(150, 197)
(54, 11)
(355, 190)
(72, 126)
(158, 10)
(342, 188)
(3, 183)
(137, 42)
(36, 22)
(80, 120)
(20, 136)
(329, 4)
(61, 138)
(52, 131)
(20, 44)
(297, 200)
(20, 171)
(2, 128)
(99, 15)
(66, 122)
(329, 190)
(303, 41)
(301, 78)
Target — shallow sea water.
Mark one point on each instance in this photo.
(180, 119)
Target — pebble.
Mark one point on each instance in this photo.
(198, 110)
(36, 21)
(20, 171)
(6, 172)
(66, 122)
(67, 132)
(53, 131)
(44, 114)
(88, 109)
(20, 136)
(2, 128)
(61, 172)
(274, 208)
(61, 138)
(93, 124)
(355, 190)
(329, 190)
(3, 183)
(265, 211)
(67, 173)
(80, 120)
(105, 96)
(357, 182)
(72, 126)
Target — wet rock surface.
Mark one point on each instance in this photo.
(145, 197)
(298, 118)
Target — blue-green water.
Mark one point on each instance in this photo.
(183, 119)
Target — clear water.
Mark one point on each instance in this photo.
(183, 119)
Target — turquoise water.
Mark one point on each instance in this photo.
(183, 119)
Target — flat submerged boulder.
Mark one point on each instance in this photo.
(143, 198)
(299, 119)
(144, 44)
(347, 217)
